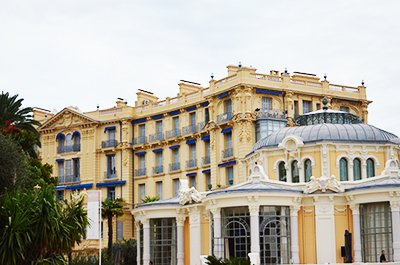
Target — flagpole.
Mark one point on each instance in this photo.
(100, 237)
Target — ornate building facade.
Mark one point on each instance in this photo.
(209, 139)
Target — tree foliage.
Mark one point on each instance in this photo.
(111, 208)
(150, 199)
(38, 228)
(212, 260)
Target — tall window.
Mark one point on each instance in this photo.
(357, 169)
(76, 168)
(376, 231)
(142, 192)
(111, 170)
(175, 155)
(76, 141)
(370, 168)
(111, 193)
(60, 143)
(175, 124)
(295, 172)
(208, 181)
(192, 181)
(344, 174)
(176, 187)
(307, 170)
(159, 130)
(266, 104)
(206, 115)
(142, 133)
(163, 241)
(296, 108)
(159, 163)
(229, 175)
(111, 135)
(142, 162)
(282, 171)
(192, 151)
(61, 169)
(68, 142)
(68, 169)
(192, 118)
(159, 189)
(307, 106)
(265, 127)
(228, 106)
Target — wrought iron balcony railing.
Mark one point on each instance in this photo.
(109, 143)
(227, 153)
(200, 126)
(206, 160)
(158, 170)
(174, 166)
(224, 117)
(270, 114)
(189, 129)
(139, 140)
(192, 163)
(112, 174)
(173, 133)
(68, 179)
(156, 137)
(140, 172)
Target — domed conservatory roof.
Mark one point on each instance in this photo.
(328, 125)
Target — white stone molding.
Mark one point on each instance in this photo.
(146, 240)
(323, 184)
(216, 212)
(287, 143)
(254, 258)
(257, 174)
(325, 167)
(391, 169)
(355, 209)
(188, 195)
(325, 229)
(254, 210)
(276, 165)
(294, 231)
(195, 235)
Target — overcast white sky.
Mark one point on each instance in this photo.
(61, 53)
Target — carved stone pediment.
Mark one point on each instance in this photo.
(323, 184)
(65, 119)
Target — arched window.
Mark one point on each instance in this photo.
(60, 139)
(295, 172)
(307, 170)
(76, 139)
(356, 169)
(370, 168)
(282, 171)
(344, 174)
(68, 142)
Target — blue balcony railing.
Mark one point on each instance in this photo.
(68, 179)
(227, 153)
(158, 170)
(224, 117)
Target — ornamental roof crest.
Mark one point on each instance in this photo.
(188, 195)
(323, 184)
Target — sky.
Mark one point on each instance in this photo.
(57, 53)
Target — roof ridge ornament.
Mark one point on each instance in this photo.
(257, 174)
(188, 195)
(323, 184)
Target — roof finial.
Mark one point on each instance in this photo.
(325, 76)
(98, 107)
(240, 64)
(325, 102)
(286, 70)
(212, 76)
(362, 82)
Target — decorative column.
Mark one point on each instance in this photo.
(146, 241)
(294, 233)
(355, 209)
(395, 208)
(255, 228)
(180, 220)
(363, 169)
(216, 212)
(137, 224)
(195, 235)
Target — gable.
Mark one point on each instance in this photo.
(67, 118)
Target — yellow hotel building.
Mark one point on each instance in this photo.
(272, 167)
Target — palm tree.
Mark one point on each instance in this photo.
(18, 122)
(111, 208)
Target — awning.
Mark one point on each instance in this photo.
(140, 153)
(158, 150)
(191, 141)
(174, 147)
(76, 133)
(157, 117)
(60, 160)
(266, 91)
(225, 164)
(205, 138)
(60, 187)
(205, 104)
(139, 120)
(223, 95)
(80, 186)
(109, 128)
(191, 108)
(173, 113)
(60, 136)
(226, 130)
(205, 171)
(111, 184)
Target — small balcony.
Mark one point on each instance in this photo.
(140, 172)
(206, 160)
(189, 129)
(60, 149)
(173, 133)
(270, 114)
(73, 148)
(174, 166)
(68, 179)
(224, 117)
(156, 137)
(227, 153)
(158, 170)
(110, 174)
(139, 140)
(192, 163)
(109, 143)
(200, 126)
